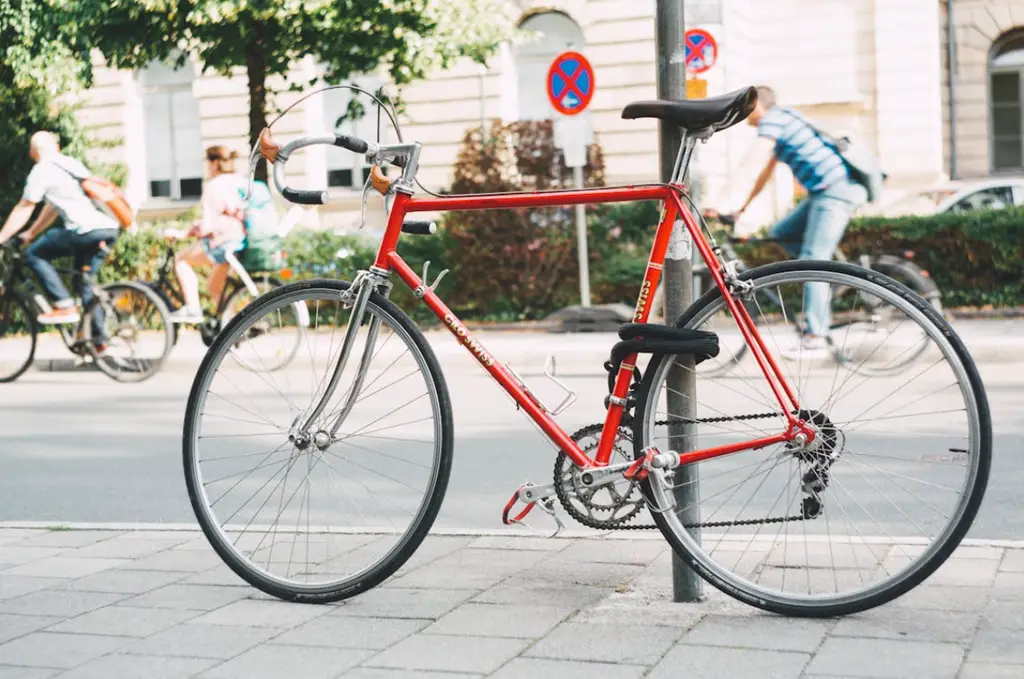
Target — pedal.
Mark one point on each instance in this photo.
(532, 495)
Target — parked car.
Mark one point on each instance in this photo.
(951, 197)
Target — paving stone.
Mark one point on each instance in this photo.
(150, 667)
(979, 552)
(122, 581)
(391, 673)
(65, 566)
(18, 555)
(435, 547)
(202, 641)
(127, 547)
(339, 632)
(636, 552)
(973, 670)
(544, 593)
(605, 643)
(489, 620)
(582, 573)
(1009, 586)
(219, 575)
(176, 560)
(532, 668)
(468, 568)
(12, 586)
(262, 613)
(1003, 613)
(640, 609)
(69, 538)
(895, 623)
(759, 631)
(885, 658)
(14, 626)
(965, 573)
(61, 603)
(934, 597)
(386, 602)
(12, 535)
(1013, 561)
(124, 621)
(994, 644)
(436, 652)
(197, 597)
(524, 543)
(50, 649)
(10, 672)
(713, 662)
(276, 661)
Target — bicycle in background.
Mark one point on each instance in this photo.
(134, 319)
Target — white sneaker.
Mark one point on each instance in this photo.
(185, 315)
(809, 348)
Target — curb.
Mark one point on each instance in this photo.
(448, 532)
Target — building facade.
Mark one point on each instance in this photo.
(878, 69)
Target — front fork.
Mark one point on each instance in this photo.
(362, 287)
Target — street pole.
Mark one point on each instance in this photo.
(581, 242)
(678, 286)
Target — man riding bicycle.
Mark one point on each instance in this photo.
(86, 234)
(815, 227)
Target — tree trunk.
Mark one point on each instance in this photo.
(256, 69)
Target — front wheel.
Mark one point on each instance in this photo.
(17, 336)
(128, 331)
(874, 503)
(311, 503)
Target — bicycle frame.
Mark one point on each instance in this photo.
(388, 259)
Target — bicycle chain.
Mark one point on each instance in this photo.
(586, 521)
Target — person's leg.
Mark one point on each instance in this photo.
(192, 311)
(218, 277)
(789, 231)
(828, 216)
(52, 244)
(88, 251)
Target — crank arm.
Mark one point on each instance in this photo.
(603, 476)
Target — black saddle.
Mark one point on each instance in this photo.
(698, 115)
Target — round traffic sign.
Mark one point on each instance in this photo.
(570, 83)
(701, 50)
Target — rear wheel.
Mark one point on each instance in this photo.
(279, 338)
(873, 504)
(17, 336)
(136, 330)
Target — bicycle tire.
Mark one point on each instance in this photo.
(8, 303)
(733, 585)
(910, 275)
(412, 538)
(111, 366)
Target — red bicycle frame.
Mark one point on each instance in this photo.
(388, 259)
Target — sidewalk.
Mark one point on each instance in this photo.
(989, 341)
(157, 603)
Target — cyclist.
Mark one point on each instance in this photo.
(85, 236)
(221, 229)
(815, 227)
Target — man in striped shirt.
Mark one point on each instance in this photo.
(812, 230)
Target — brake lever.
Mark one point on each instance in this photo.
(367, 186)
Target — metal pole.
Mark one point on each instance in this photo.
(581, 242)
(678, 285)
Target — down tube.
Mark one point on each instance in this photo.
(624, 375)
(751, 335)
(497, 371)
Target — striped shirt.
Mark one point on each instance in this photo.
(815, 164)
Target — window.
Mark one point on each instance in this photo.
(554, 33)
(991, 198)
(354, 113)
(1006, 69)
(174, 146)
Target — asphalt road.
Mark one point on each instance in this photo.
(76, 446)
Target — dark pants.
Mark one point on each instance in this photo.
(85, 250)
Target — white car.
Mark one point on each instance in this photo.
(957, 196)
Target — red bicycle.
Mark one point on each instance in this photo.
(796, 487)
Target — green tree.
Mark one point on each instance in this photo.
(265, 37)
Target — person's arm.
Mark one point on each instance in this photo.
(762, 181)
(19, 216)
(46, 217)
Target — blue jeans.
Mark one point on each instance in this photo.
(84, 249)
(813, 231)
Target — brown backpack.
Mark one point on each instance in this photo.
(106, 196)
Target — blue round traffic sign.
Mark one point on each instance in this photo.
(701, 50)
(570, 83)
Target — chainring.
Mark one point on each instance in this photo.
(605, 507)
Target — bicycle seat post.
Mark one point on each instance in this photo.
(682, 166)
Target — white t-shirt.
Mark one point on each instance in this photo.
(48, 181)
(221, 195)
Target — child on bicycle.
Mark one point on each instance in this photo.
(221, 230)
